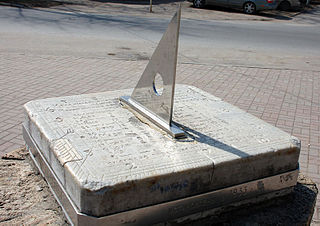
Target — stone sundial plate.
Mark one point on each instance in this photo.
(107, 162)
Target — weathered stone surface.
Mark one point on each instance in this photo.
(26, 198)
(297, 208)
(102, 154)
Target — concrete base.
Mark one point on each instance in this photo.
(107, 161)
(296, 208)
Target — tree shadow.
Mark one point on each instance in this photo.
(33, 3)
(139, 2)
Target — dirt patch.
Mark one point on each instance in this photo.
(24, 196)
(18, 154)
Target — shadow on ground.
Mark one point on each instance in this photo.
(295, 208)
(32, 3)
(310, 14)
(266, 15)
(140, 2)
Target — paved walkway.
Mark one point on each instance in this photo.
(288, 99)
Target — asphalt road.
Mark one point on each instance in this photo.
(250, 43)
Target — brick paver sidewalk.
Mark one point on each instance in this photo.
(288, 99)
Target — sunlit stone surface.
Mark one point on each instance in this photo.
(109, 161)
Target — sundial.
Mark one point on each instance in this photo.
(128, 157)
(146, 99)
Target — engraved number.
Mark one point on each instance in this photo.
(286, 178)
(240, 190)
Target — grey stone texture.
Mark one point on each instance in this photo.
(294, 209)
(26, 199)
(103, 154)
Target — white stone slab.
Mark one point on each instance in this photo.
(109, 161)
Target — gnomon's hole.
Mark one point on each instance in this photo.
(158, 84)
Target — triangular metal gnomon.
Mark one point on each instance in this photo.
(146, 99)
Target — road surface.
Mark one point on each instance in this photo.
(249, 43)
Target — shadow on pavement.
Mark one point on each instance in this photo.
(310, 14)
(33, 3)
(268, 14)
(292, 13)
(139, 2)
